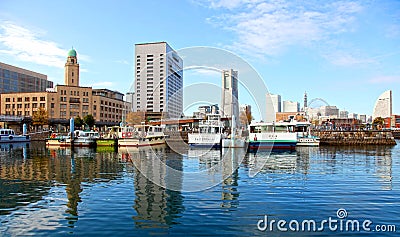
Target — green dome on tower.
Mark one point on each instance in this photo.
(72, 53)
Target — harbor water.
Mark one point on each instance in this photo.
(159, 191)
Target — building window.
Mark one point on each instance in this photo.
(27, 99)
(19, 106)
(34, 105)
(52, 105)
(42, 98)
(8, 100)
(42, 105)
(26, 106)
(19, 99)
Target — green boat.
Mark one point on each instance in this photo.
(106, 142)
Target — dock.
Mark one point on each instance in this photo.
(350, 138)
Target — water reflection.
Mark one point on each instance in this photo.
(26, 182)
(372, 159)
(156, 203)
(230, 169)
(148, 191)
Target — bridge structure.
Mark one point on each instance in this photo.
(316, 100)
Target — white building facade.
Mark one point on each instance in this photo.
(158, 79)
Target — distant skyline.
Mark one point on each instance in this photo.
(346, 52)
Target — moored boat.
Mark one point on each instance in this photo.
(209, 134)
(272, 136)
(138, 135)
(304, 137)
(8, 135)
(79, 139)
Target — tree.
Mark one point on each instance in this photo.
(378, 122)
(78, 122)
(245, 117)
(135, 117)
(89, 120)
(40, 117)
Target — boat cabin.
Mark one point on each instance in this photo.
(6, 132)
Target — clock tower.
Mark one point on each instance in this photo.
(71, 77)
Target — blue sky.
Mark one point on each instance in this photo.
(346, 52)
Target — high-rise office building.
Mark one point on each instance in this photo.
(229, 97)
(274, 105)
(15, 79)
(383, 105)
(158, 79)
(290, 106)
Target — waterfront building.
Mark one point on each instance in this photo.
(206, 109)
(158, 79)
(362, 118)
(129, 99)
(274, 105)
(353, 116)
(67, 101)
(15, 79)
(230, 93)
(287, 116)
(383, 105)
(343, 114)
(329, 110)
(290, 106)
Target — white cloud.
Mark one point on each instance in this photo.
(385, 80)
(346, 58)
(210, 72)
(122, 62)
(269, 27)
(25, 45)
(29, 46)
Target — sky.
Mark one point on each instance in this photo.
(345, 52)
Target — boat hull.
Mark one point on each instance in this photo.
(68, 143)
(204, 140)
(307, 141)
(106, 142)
(14, 138)
(271, 145)
(137, 142)
(235, 143)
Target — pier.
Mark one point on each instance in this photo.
(349, 138)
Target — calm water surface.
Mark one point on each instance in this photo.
(101, 192)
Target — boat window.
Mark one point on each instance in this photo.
(281, 129)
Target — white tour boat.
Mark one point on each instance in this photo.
(209, 133)
(304, 137)
(138, 135)
(8, 135)
(80, 139)
(273, 136)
